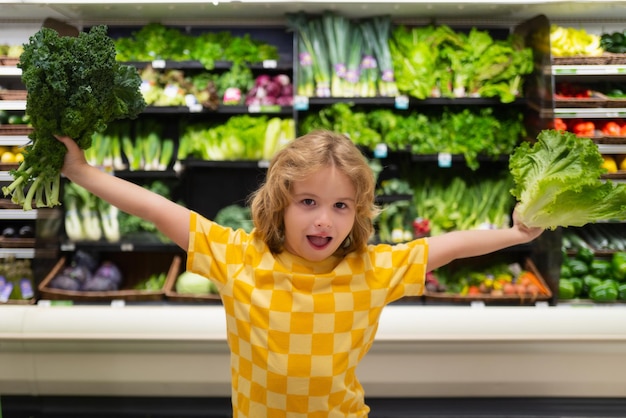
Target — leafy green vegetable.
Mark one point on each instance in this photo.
(235, 217)
(75, 88)
(435, 61)
(156, 41)
(558, 182)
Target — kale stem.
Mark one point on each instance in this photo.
(28, 200)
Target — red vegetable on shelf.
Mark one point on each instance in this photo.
(560, 125)
(584, 128)
(611, 128)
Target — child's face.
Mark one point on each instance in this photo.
(320, 215)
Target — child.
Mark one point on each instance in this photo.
(304, 291)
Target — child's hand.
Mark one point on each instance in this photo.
(74, 158)
(530, 232)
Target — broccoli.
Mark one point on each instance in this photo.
(75, 88)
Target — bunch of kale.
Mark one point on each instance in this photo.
(75, 88)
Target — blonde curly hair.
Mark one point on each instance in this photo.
(299, 159)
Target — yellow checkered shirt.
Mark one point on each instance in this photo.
(298, 329)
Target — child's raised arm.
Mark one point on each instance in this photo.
(169, 217)
(462, 244)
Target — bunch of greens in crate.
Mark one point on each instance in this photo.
(156, 41)
(435, 61)
(174, 87)
(242, 137)
(340, 57)
(89, 218)
(393, 224)
(599, 278)
(471, 132)
(134, 226)
(456, 204)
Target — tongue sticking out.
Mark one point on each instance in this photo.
(319, 241)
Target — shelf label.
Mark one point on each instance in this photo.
(127, 246)
(158, 64)
(70, 246)
(562, 71)
(402, 102)
(270, 64)
(301, 103)
(477, 304)
(46, 303)
(444, 159)
(263, 164)
(118, 303)
(381, 151)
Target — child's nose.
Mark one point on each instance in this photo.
(323, 220)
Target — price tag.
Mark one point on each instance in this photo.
(562, 71)
(195, 108)
(158, 64)
(127, 246)
(118, 303)
(263, 164)
(381, 151)
(444, 159)
(301, 103)
(270, 64)
(70, 246)
(402, 102)
(254, 108)
(477, 304)
(542, 304)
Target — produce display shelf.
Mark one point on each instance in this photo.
(12, 104)
(10, 71)
(13, 140)
(600, 70)
(17, 252)
(125, 245)
(19, 214)
(448, 351)
(589, 112)
(224, 109)
(277, 65)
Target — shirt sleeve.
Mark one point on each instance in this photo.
(405, 267)
(213, 250)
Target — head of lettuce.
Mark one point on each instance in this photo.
(558, 182)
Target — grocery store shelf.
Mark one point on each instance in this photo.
(123, 11)
(589, 112)
(10, 71)
(12, 104)
(180, 350)
(19, 214)
(10, 140)
(28, 253)
(600, 70)
(612, 148)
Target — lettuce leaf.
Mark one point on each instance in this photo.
(558, 182)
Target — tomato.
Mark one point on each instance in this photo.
(560, 125)
(584, 128)
(611, 128)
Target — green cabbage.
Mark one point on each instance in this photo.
(558, 182)
(193, 283)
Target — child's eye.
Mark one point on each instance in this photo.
(341, 205)
(308, 202)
